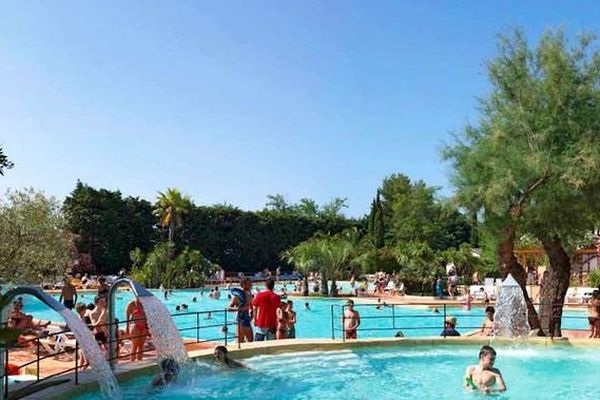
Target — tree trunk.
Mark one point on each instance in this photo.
(324, 285)
(334, 289)
(171, 231)
(555, 286)
(305, 291)
(510, 265)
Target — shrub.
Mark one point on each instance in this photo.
(595, 278)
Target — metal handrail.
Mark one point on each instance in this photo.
(441, 315)
(4, 374)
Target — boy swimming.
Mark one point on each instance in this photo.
(484, 376)
(169, 370)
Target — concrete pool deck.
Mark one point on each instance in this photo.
(127, 371)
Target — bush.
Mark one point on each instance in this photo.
(595, 278)
(163, 267)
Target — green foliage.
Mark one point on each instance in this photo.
(489, 255)
(409, 209)
(531, 164)
(376, 223)
(306, 208)
(331, 255)
(163, 267)
(535, 148)
(411, 213)
(419, 265)
(375, 260)
(33, 244)
(249, 241)
(108, 226)
(595, 278)
(465, 262)
(5, 163)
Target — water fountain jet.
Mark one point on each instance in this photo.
(510, 319)
(165, 336)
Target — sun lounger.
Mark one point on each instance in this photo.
(58, 342)
(578, 295)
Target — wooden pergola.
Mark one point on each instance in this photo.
(582, 262)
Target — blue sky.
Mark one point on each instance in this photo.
(231, 101)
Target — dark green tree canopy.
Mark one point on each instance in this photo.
(109, 226)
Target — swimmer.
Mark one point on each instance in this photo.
(436, 311)
(307, 306)
(184, 306)
(221, 355)
(487, 329)
(399, 334)
(208, 316)
(169, 370)
(178, 308)
(194, 300)
(484, 376)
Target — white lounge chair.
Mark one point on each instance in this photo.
(58, 342)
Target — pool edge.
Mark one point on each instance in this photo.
(130, 371)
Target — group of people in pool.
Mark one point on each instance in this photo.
(482, 376)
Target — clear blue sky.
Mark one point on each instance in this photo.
(231, 101)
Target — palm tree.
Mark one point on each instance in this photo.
(327, 254)
(170, 208)
(341, 252)
(305, 257)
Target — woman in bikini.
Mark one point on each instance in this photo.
(17, 319)
(137, 327)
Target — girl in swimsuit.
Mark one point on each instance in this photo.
(138, 330)
(282, 321)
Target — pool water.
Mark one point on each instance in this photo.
(313, 323)
(418, 372)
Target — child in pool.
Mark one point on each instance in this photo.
(484, 376)
(221, 355)
(169, 370)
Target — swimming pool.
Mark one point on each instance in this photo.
(314, 323)
(416, 372)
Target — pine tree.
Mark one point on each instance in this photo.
(376, 225)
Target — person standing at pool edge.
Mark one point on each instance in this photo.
(351, 321)
(264, 313)
(291, 332)
(68, 294)
(242, 303)
(484, 376)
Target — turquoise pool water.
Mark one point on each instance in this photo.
(420, 372)
(313, 323)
